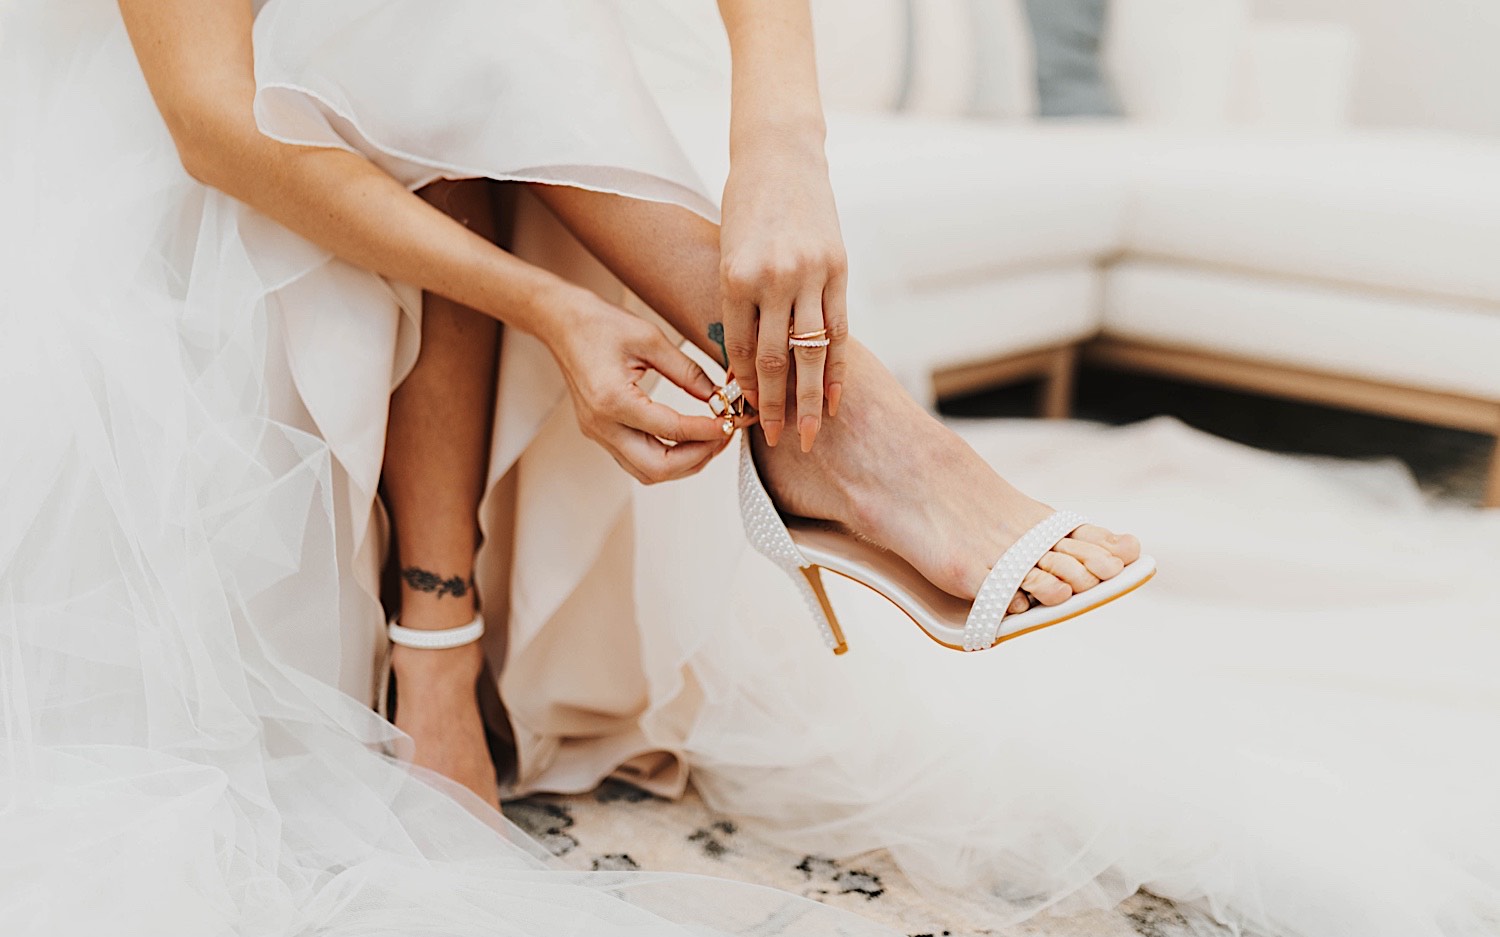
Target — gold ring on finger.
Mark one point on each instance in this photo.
(816, 339)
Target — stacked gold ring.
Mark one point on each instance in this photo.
(817, 339)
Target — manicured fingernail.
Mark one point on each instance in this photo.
(772, 429)
(807, 428)
(835, 391)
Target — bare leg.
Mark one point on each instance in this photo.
(437, 448)
(859, 472)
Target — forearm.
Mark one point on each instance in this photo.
(775, 97)
(342, 202)
(197, 59)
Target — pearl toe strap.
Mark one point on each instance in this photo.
(983, 625)
(439, 640)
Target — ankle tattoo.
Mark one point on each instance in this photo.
(425, 581)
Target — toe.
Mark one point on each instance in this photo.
(1099, 560)
(1047, 588)
(1018, 604)
(1127, 548)
(1123, 546)
(1070, 570)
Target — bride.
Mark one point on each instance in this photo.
(208, 305)
(201, 408)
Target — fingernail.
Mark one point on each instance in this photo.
(807, 428)
(772, 429)
(835, 391)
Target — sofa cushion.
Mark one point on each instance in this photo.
(864, 53)
(1297, 76)
(920, 331)
(1004, 61)
(1440, 345)
(1404, 211)
(924, 200)
(943, 58)
(927, 200)
(1176, 61)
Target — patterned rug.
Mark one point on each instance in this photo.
(622, 827)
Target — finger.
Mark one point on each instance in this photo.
(1099, 561)
(836, 321)
(1070, 570)
(1047, 588)
(649, 416)
(655, 462)
(771, 362)
(625, 463)
(808, 317)
(673, 364)
(739, 325)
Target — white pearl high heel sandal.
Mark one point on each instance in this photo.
(806, 548)
(438, 640)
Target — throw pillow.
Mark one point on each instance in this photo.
(1069, 40)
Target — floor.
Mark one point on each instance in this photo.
(619, 827)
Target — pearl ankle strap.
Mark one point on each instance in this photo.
(439, 640)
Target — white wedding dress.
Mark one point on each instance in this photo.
(1292, 729)
(191, 410)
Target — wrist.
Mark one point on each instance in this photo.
(568, 318)
(800, 132)
(551, 306)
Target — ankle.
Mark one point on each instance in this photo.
(457, 667)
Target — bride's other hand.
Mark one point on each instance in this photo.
(605, 352)
(783, 263)
(783, 271)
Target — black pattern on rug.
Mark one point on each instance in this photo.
(621, 828)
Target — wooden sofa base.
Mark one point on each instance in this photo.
(1056, 367)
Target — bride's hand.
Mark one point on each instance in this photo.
(783, 269)
(604, 352)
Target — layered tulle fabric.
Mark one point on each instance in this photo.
(184, 561)
(1290, 730)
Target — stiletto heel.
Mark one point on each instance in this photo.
(804, 549)
(814, 577)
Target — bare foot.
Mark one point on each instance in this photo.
(890, 472)
(437, 704)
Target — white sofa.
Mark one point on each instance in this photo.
(1232, 231)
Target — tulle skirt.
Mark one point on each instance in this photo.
(1291, 730)
(191, 417)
